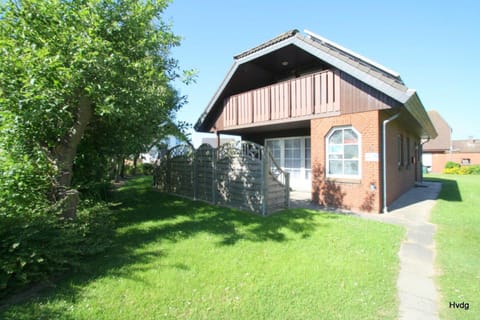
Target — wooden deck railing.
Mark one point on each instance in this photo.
(317, 93)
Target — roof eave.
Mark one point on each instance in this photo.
(408, 98)
(237, 62)
(415, 107)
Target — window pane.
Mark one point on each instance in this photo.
(335, 156)
(292, 143)
(307, 153)
(350, 136)
(307, 143)
(336, 137)
(335, 167)
(343, 152)
(274, 148)
(351, 167)
(293, 153)
(335, 149)
(351, 152)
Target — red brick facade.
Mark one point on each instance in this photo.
(440, 159)
(365, 193)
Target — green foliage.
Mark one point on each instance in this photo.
(462, 170)
(451, 165)
(147, 169)
(113, 54)
(33, 247)
(174, 258)
(59, 58)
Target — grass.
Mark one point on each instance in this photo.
(179, 259)
(457, 217)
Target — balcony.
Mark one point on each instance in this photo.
(309, 96)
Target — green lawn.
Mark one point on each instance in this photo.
(457, 215)
(179, 259)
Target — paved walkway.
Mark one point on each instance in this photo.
(415, 284)
(416, 288)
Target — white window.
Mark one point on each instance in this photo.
(343, 153)
(293, 155)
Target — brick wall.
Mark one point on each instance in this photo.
(364, 194)
(440, 159)
(353, 194)
(400, 178)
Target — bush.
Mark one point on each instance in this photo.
(100, 191)
(33, 247)
(463, 170)
(452, 165)
(147, 169)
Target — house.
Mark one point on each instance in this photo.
(215, 143)
(347, 129)
(435, 149)
(437, 152)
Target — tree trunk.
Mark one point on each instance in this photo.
(135, 160)
(64, 155)
(118, 168)
(122, 168)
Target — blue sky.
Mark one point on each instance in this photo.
(433, 45)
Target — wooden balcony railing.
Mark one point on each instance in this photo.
(313, 94)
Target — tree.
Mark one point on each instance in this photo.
(76, 67)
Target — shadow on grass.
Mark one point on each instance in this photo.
(146, 216)
(449, 191)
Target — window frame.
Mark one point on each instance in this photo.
(407, 152)
(357, 176)
(400, 151)
(305, 172)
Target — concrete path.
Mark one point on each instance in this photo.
(416, 288)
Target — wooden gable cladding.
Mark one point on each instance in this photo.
(321, 94)
(359, 97)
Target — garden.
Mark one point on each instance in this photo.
(179, 259)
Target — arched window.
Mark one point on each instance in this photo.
(343, 153)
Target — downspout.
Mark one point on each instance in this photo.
(421, 156)
(384, 148)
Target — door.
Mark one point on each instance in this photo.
(293, 156)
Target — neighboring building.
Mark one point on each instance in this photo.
(213, 142)
(320, 109)
(166, 143)
(437, 152)
(441, 145)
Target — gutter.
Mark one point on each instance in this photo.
(384, 158)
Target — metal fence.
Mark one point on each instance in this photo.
(240, 175)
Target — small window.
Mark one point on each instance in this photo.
(465, 162)
(343, 153)
(407, 158)
(400, 151)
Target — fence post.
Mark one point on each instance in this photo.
(193, 175)
(287, 189)
(265, 165)
(168, 174)
(214, 175)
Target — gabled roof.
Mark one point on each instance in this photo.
(442, 141)
(467, 146)
(332, 54)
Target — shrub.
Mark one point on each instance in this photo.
(35, 246)
(452, 165)
(147, 169)
(96, 190)
(450, 170)
(463, 170)
(473, 169)
(128, 169)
